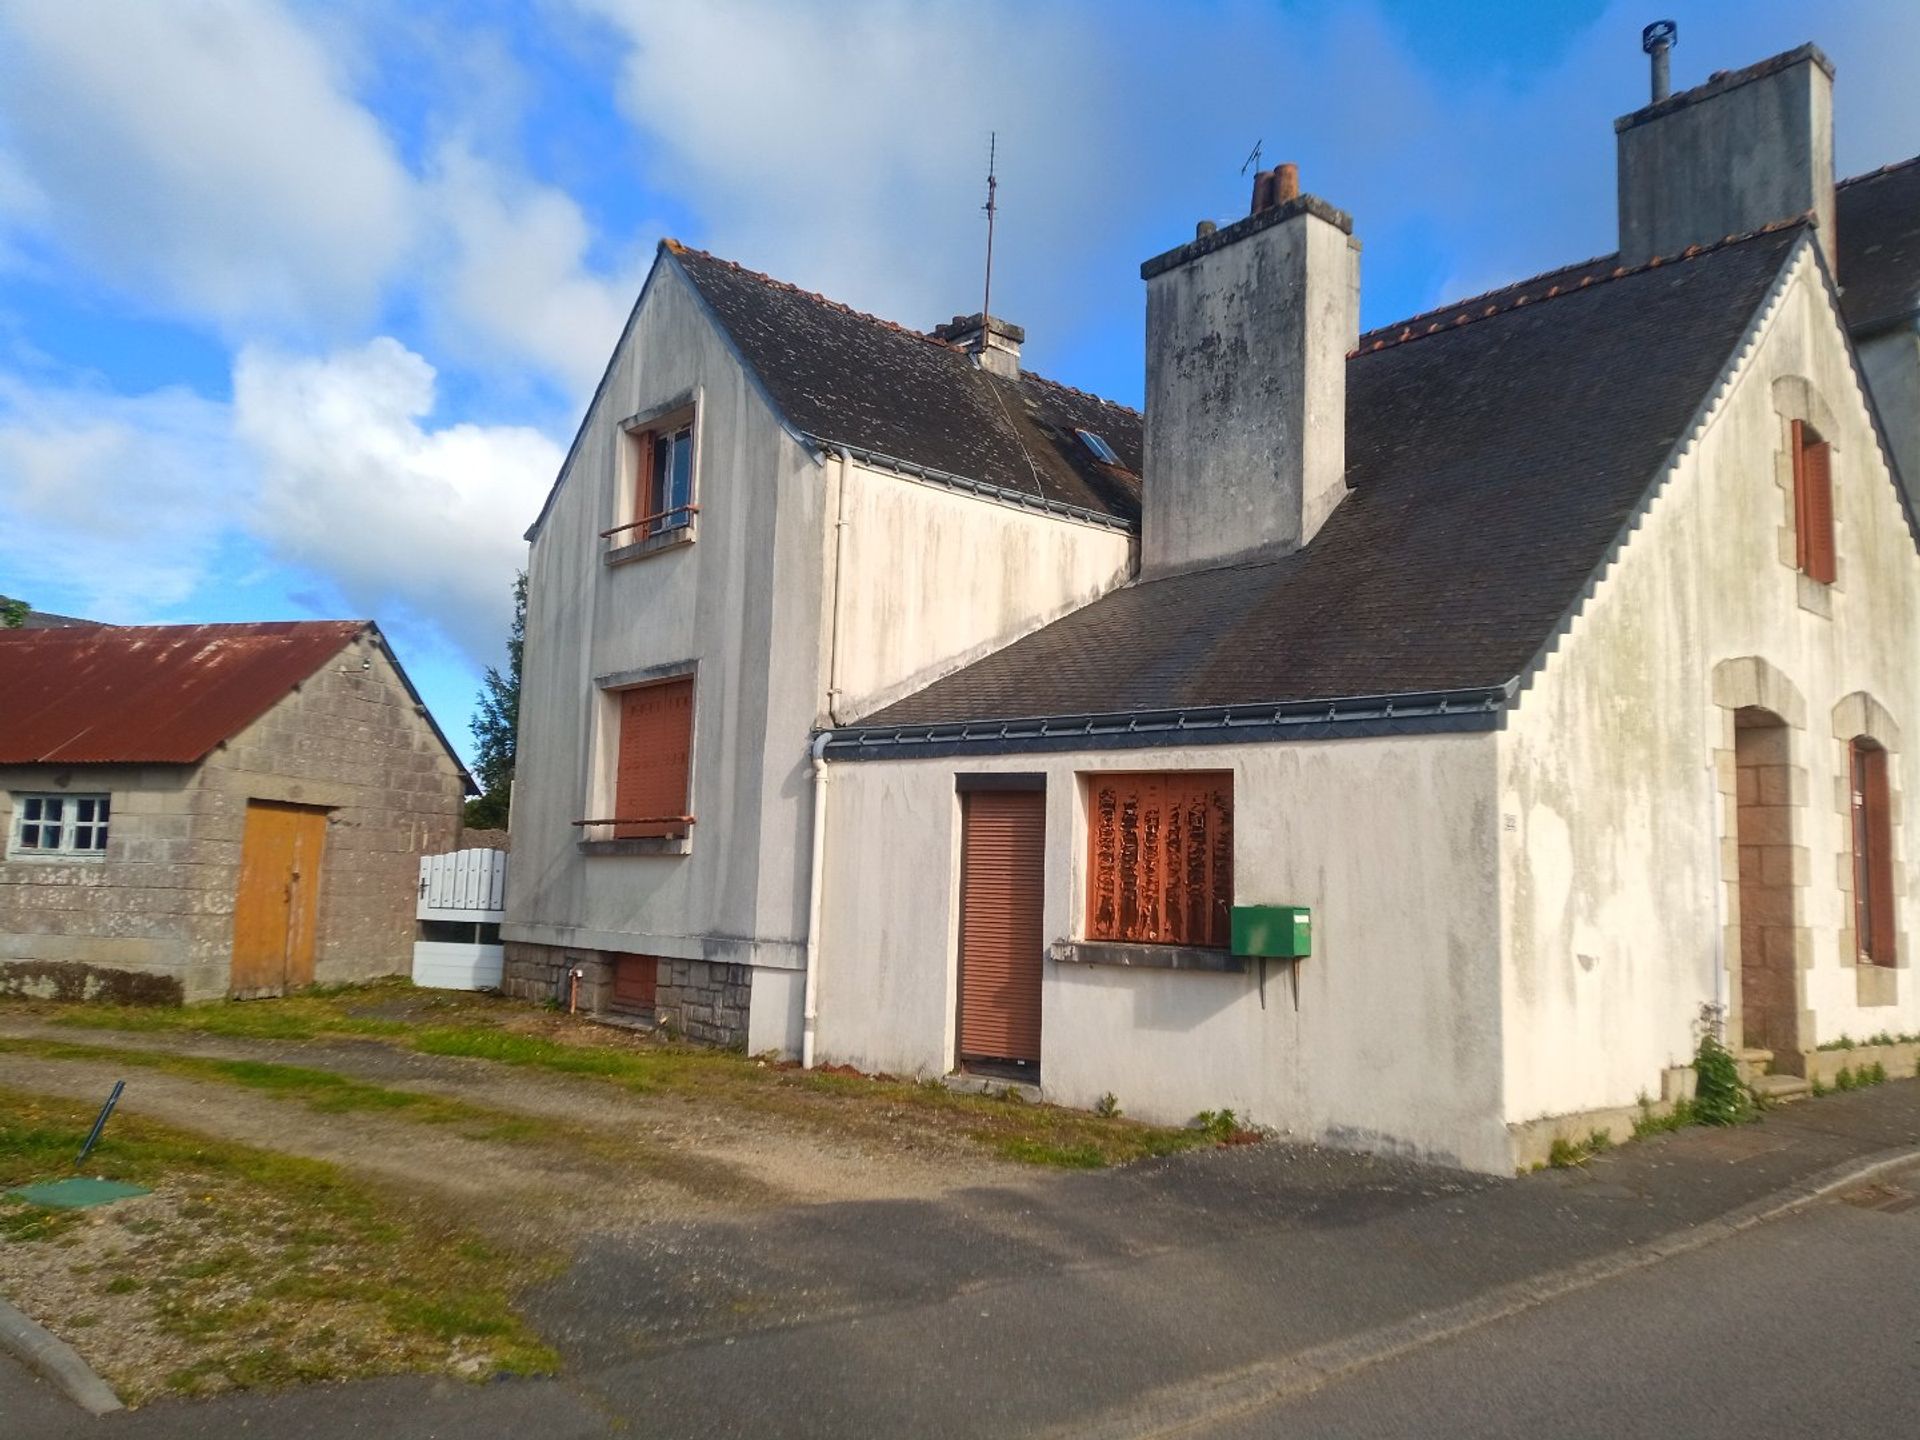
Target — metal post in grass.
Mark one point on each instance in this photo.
(100, 1123)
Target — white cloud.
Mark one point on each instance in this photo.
(517, 282)
(121, 499)
(354, 486)
(203, 152)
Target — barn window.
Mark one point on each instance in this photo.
(1872, 853)
(1160, 857)
(1812, 503)
(67, 826)
(654, 764)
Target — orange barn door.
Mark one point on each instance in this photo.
(278, 900)
(1002, 876)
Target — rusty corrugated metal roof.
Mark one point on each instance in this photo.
(161, 694)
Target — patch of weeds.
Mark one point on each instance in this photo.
(1720, 1097)
(1649, 1122)
(1818, 1087)
(1845, 1080)
(22, 1223)
(1041, 1152)
(1863, 1078)
(1219, 1126)
(1107, 1107)
(1565, 1154)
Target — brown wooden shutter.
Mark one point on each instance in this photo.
(1161, 849)
(636, 981)
(1002, 879)
(1879, 828)
(643, 478)
(1813, 503)
(656, 749)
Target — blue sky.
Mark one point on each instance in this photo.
(300, 302)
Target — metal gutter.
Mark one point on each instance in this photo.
(975, 487)
(1480, 708)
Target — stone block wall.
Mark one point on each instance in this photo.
(705, 1002)
(540, 973)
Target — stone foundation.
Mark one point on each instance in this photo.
(697, 1000)
(705, 1002)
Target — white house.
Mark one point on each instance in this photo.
(1537, 666)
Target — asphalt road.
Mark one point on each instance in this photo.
(1809, 1325)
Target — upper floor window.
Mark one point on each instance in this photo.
(655, 761)
(1872, 853)
(658, 487)
(1812, 503)
(1160, 857)
(60, 825)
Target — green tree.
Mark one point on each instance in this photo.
(13, 613)
(497, 723)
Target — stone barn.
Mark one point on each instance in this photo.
(193, 811)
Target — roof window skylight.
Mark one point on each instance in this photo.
(1099, 448)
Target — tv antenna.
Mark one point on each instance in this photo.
(992, 208)
(1252, 161)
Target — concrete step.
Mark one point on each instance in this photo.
(1753, 1063)
(1781, 1089)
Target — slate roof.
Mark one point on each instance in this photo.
(156, 694)
(1879, 242)
(839, 375)
(1494, 456)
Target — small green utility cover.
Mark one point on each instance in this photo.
(78, 1193)
(1281, 931)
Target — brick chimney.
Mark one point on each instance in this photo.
(1745, 149)
(1249, 327)
(993, 342)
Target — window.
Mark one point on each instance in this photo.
(655, 761)
(665, 472)
(1160, 858)
(1872, 853)
(1102, 451)
(1812, 503)
(64, 825)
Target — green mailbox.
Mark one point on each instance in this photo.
(1280, 931)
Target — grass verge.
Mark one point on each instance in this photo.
(244, 1268)
(505, 1032)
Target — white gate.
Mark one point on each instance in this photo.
(462, 901)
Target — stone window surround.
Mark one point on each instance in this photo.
(1794, 398)
(1859, 715)
(1751, 683)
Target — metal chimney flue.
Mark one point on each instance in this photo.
(1658, 40)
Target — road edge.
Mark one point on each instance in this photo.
(50, 1357)
(1179, 1408)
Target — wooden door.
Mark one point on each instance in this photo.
(1002, 877)
(636, 983)
(278, 899)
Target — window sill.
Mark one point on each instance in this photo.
(639, 845)
(652, 545)
(1148, 957)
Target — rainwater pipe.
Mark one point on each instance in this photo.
(810, 1006)
(810, 1012)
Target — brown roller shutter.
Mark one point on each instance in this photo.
(1002, 875)
(1879, 828)
(656, 748)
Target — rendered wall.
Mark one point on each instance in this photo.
(1617, 773)
(1394, 1044)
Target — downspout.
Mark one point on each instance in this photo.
(810, 1009)
(810, 1013)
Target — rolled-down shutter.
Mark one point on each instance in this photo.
(656, 749)
(1002, 875)
(1879, 828)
